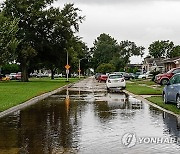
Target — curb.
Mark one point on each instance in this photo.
(152, 104)
(32, 101)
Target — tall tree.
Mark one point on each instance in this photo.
(161, 48)
(104, 48)
(45, 31)
(128, 49)
(107, 50)
(59, 36)
(175, 52)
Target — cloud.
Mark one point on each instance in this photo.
(111, 2)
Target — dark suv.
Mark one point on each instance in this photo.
(164, 78)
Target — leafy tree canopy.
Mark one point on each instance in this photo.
(107, 50)
(46, 32)
(161, 48)
(105, 68)
(8, 40)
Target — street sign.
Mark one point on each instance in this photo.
(67, 71)
(67, 67)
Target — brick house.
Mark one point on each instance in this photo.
(171, 63)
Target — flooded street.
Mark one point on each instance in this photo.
(85, 119)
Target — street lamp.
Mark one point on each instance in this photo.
(80, 67)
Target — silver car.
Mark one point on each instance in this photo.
(171, 92)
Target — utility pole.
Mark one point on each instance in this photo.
(67, 69)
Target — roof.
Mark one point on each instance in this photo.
(151, 60)
(159, 62)
(170, 60)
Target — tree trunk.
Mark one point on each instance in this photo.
(24, 68)
(52, 73)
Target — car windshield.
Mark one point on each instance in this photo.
(175, 79)
(115, 76)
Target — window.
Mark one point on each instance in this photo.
(176, 71)
(115, 76)
(175, 79)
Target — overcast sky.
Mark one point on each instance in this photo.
(141, 21)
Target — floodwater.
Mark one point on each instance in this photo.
(85, 119)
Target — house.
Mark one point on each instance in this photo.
(147, 64)
(158, 65)
(171, 63)
(152, 64)
(133, 66)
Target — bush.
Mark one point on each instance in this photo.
(105, 68)
(10, 68)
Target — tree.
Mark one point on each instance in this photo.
(107, 50)
(175, 52)
(45, 31)
(161, 48)
(8, 40)
(128, 49)
(61, 39)
(104, 48)
(105, 68)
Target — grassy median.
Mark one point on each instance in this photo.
(13, 93)
(158, 101)
(146, 87)
(143, 87)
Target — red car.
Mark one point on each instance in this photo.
(18, 76)
(102, 78)
(164, 78)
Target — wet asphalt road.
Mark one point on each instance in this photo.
(85, 119)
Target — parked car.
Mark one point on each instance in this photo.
(164, 78)
(39, 75)
(97, 75)
(145, 76)
(115, 81)
(18, 76)
(102, 77)
(12, 76)
(4, 77)
(128, 76)
(136, 75)
(171, 92)
(33, 74)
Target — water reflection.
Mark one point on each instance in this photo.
(75, 121)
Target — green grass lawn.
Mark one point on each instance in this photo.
(158, 101)
(13, 93)
(142, 87)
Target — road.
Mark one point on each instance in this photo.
(85, 119)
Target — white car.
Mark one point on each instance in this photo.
(145, 76)
(115, 81)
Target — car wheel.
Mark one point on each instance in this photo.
(123, 88)
(164, 81)
(143, 77)
(178, 101)
(165, 99)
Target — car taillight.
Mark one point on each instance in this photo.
(109, 81)
(158, 77)
(122, 80)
